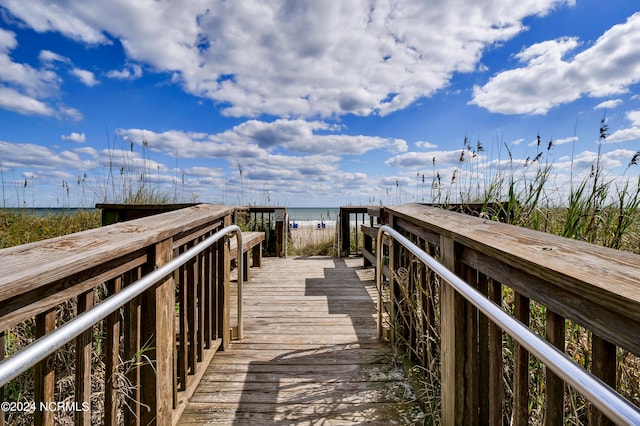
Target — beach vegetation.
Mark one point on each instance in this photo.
(22, 226)
(311, 241)
(593, 206)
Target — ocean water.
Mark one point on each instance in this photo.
(305, 216)
(46, 211)
(314, 216)
(313, 213)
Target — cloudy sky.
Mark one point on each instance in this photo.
(309, 102)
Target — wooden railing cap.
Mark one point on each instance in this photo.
(577, 266)
(29, 266)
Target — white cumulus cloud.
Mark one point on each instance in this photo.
(75, 137)
(554, 74)
(612, 103)
(294, 58)
(254, 138)
(130, 72)
(86, 77)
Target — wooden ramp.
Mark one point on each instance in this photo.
(310, 353)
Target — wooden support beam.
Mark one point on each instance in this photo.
(496, 386)
(452, 344)
(44, 376)
(483, 364)
(158, 312)
(83, 363)
(224, 291)
(112, 360)
(604, 367)
(521, 365)
(554, 396)
(132, 346)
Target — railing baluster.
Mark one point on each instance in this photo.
(190, 286)
(44, 376)
(452, 327)
(206, 303)
(215, 332)
(554, 396)
(423, 303)
(483, 356)
(393, 262)
(496, 387)
(200, 305)
(158, 316)
(112, 359)
(83, 363)
(176, 343)
(132, 346)
(471, 360)
(604, 367)
(183, 358)
(520, 365)
(432, 326)
(224, 287)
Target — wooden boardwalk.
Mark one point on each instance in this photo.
(310, 353)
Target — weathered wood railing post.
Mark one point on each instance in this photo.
(224, 290)
(521, 365)
(132, 344)
(453, 331)
(495, 382)
(158, 312)
(112, 349)
(554, 398)
(83, 363)
(603, 354)
(393, 262)
(44, 376)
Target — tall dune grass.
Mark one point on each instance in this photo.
(20, 227)
(593, 206)
(596, 207)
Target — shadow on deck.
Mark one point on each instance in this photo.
(310, 353)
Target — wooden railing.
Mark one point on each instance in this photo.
(151, 353)
(546, 282)
(370, 234)
(352, 218)
(270, 220)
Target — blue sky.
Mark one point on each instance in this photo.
(310, 103)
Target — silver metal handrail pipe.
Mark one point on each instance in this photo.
(46, 345)
(601, 395)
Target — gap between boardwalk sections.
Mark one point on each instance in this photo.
(310, 354)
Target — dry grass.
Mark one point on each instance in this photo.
(22, 227)
(311, 241)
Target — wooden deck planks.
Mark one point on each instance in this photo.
(310, 353)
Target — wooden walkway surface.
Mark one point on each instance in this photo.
(310, 353)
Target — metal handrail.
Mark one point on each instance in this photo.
(601, 395)
(46, 345)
